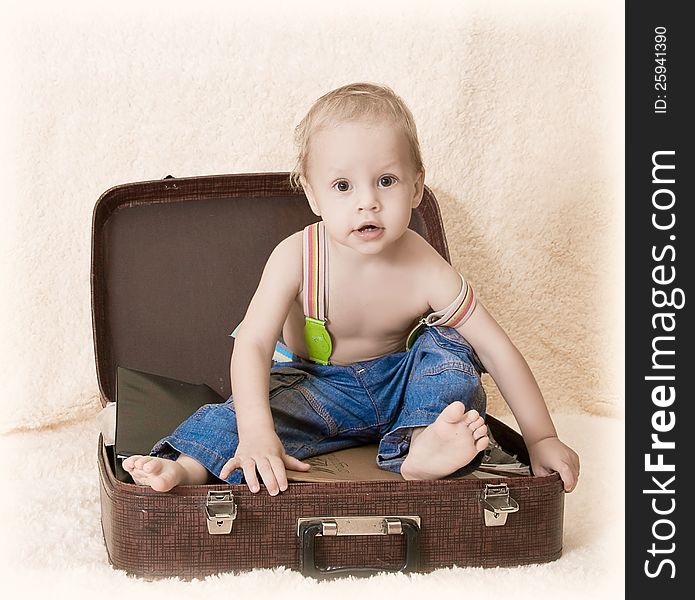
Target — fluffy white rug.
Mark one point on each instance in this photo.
(53, 546)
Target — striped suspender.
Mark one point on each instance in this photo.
(453, 315)
(457, 312)
(315, 271)
(315, 296)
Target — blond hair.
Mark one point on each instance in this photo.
(353, 102)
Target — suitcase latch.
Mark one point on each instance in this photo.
(497, 504)
(221, 512)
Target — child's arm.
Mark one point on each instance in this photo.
(259, 446)
(515, 381)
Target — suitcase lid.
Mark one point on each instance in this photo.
(175, 263)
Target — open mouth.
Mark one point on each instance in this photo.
(369, 232)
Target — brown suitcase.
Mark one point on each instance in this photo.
(174, 265)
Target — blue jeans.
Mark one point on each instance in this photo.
(318, 409)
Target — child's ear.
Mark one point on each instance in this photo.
(309, 193)
(419, 189)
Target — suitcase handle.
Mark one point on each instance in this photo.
(309, 529)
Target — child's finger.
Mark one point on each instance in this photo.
(249, 468)
(266, 470)
(229, 466)
(278, 467)
(568, 477)
(540, 471)
(295, 464)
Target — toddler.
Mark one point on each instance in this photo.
(346, 294)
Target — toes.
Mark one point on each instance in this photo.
(476, 423)
(157, 474)
(152, 466)
(471, 417)
(140, 461)
(480, 432)
(454, 412)
(482, 443)
(129, 463)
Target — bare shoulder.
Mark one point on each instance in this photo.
(285, 261)
(290, 243)
(417, 251)
(438, 278)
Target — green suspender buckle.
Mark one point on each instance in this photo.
(318, 341)
(415, 333)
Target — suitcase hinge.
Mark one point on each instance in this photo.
(220, 509)
(497, 504)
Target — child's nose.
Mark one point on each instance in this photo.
(368, 200)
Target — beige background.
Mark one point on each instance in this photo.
(519, 109)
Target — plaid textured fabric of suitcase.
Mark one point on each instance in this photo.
(174, 265)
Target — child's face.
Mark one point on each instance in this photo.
(360, 174)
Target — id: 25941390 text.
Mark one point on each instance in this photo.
(660, 70)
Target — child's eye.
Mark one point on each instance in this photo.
(387, 181)
(342, 185)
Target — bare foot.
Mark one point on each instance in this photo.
(161, 474)
(448, 444)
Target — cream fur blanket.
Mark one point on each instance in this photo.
(519, 109)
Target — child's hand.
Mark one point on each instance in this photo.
(267, 454)
(550, 455)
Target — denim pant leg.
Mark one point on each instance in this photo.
(336, 402)
(444, 369)
(210, 435)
